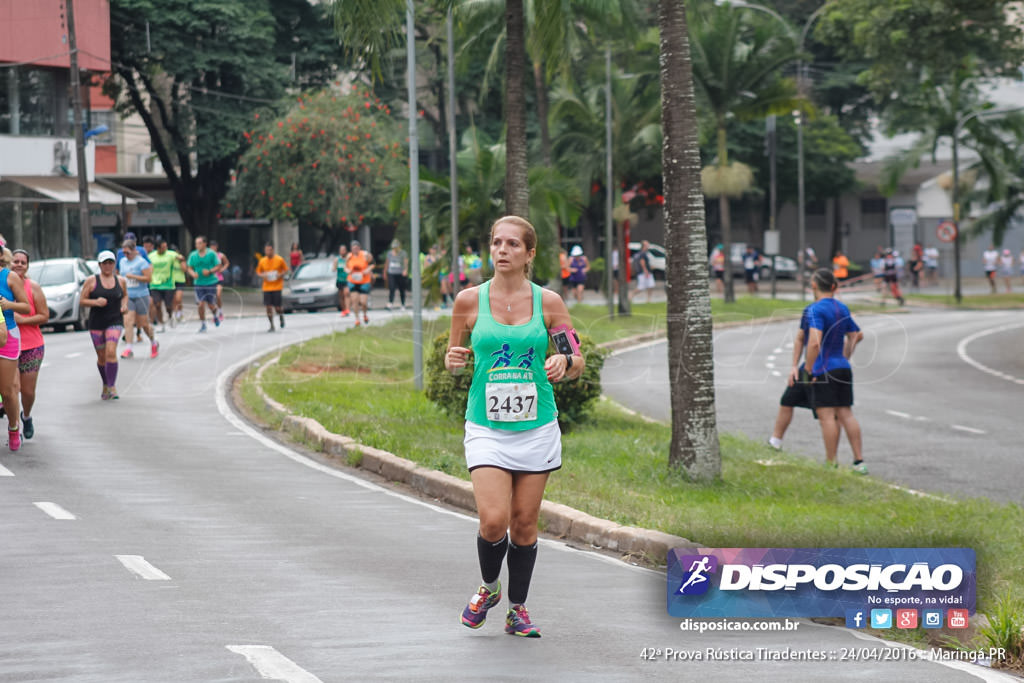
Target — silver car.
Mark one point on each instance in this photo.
(311, 286)
(61, 280)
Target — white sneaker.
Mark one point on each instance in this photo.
(775, 443)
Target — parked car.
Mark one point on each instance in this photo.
(657, 255)
(61, 280)
(311, 286)
(785, 267)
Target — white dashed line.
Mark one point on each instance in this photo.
(74, 355)
(776, 373)
(969, 430)
(269, 663)
(896, 413)
(54, 510)
(961, 350)
(769, 365)
(779, 350)
(771, 357)
(4, 472)
(137, 565)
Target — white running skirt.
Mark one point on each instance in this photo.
(531, 450)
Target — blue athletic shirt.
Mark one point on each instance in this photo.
(5, 292)
(833, 319)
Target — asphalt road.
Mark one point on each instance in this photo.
(162, 538)
(938, 395)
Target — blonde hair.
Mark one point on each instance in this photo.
(527, 233)
(6, 256)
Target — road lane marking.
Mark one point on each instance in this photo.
(54, 510)
(269, 663)
(76, 354)
(776, 373)
(961, 350)
(778, 350)
(137, 564)
(969, 430)
(896, 413)
(4, 472)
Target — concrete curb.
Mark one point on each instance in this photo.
(556, 519)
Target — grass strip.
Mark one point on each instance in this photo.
(974, 301)
(358, 383)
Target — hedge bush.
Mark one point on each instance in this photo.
(575, 399)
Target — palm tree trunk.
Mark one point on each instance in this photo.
(540, 83)
(517, 192)
(694, 446)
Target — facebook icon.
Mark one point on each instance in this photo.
(856, 618)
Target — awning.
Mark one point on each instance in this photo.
(64, 190)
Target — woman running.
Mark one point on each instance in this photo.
(512, 437)
(832, 336)
(106, 294)
(31, 357)
(579, 266)
(12, 300)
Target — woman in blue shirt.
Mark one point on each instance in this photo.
(832, 338)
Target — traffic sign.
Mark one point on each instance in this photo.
(946, 231)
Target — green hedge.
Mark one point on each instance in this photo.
(575, 399)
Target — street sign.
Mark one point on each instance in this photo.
(771, 242)
(946, 231)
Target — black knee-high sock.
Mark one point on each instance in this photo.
(491, 553)
(521, 559)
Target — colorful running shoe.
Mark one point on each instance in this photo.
(345, 313)
(154, 349)
(517, 623)
(476, 611)
(27, 428)
(106, 394)
(113, 394)
(216, 319)
(128, 353)
(860, 468)
(14, 439)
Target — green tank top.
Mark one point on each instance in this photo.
(510, 389)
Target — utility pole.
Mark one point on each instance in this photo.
(84, 225)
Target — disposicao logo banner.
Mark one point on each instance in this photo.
(817, 582)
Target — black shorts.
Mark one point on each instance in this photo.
(342, 285)
(272, 299)
(798, 395)
(720, 274)
(834, 389)
(166, 296)
(750, 275)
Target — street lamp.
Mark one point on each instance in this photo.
(801, 200)
(961, 122)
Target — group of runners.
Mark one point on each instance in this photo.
(354, 279)
(144, 284)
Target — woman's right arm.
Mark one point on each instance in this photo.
(463, 318)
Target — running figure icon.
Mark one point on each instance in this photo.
(698, 570)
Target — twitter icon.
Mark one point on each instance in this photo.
(881, 618)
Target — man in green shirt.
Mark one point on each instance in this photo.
(161, 287)
(203, 265)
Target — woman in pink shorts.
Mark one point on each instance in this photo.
(31, 357)
(12, 300)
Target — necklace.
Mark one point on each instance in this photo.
(508, 307)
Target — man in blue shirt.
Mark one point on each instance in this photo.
(832, 336)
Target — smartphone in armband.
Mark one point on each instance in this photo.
(566, 340)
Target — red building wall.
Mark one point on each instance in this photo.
(35, 31)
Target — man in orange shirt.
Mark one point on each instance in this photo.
(840, 265)
(272, 270)
(360, 279)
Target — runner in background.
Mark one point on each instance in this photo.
(137, 272)
(360, 279)
(341, 280)
(295, 255)
(30, 360)
(203, 265)
(990, 260)
(891, 275)
(106, 295)
(224, 265)
(178, 275)
(1006, 269)
(878, 269)
(931, 265)
(271, 270)
(161, 286)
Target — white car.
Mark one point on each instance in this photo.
(61, 280)
(657, 254)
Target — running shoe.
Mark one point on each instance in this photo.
(366, 320)
(14, 439)
(127, 353)
(345, 313)
(154, 349)
(220, 314)
(282, 322)
(216, 319)
(476, 611)
(27, 428)
(113, 394)
(517, 623)
(270, 329)
(202, 328)
(859, 468)
(106, 394)
(357, 322)
(775, 443)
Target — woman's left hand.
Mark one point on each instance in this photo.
(556, 367)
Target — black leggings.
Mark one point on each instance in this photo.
(396, 282)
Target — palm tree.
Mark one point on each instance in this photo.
(694, 447)
(737, 61)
